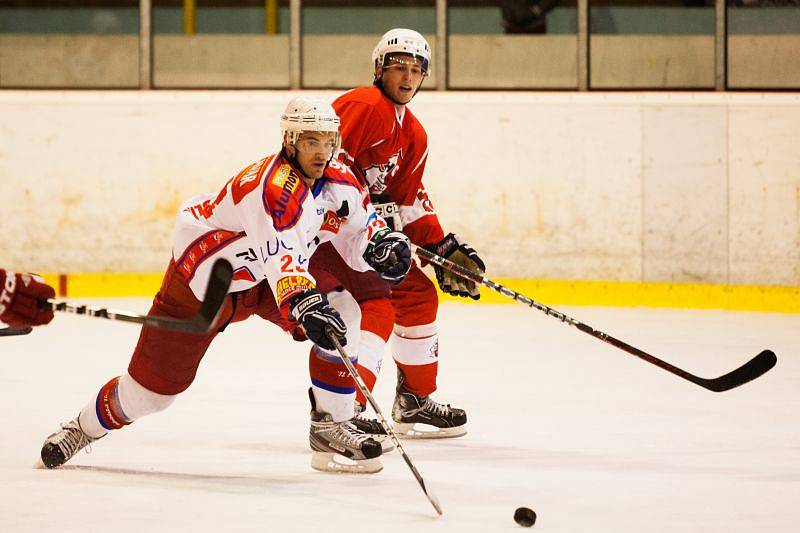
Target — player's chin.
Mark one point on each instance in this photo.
(404, 97)
(316, 171)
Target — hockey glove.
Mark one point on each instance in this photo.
(454, 249)
(315, 315)
(19, 300)
(389, 253)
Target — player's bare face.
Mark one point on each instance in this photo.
(401, 79)
(314, 150)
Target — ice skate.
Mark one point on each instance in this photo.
(420, 417)
(373, 428)
(62, 445)
(340, 446)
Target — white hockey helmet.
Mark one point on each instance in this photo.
(309, 114)
(403, 41)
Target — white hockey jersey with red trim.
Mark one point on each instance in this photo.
(267, 222)
(388, 150)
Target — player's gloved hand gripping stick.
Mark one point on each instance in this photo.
(749, 371)
(217, 290)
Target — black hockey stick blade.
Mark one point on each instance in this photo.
(218, 284)
(749, 371)
(216, 291)
(10, 332)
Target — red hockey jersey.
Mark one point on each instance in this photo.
(388, 149)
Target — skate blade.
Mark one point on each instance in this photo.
(417, 430)
(333, 462)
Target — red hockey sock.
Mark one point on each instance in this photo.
(109, 410)
(419, 379)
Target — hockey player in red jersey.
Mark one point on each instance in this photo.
(19, 297)
(267, 221)
(387, 148)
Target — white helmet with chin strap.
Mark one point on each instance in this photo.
(309, 114)
(402, 41)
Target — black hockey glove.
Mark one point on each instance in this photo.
(389, 253)
(454, 249)
(315, 315)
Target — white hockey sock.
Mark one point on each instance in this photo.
(370, 352)
(415, 345)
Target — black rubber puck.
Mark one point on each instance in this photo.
(524, 517)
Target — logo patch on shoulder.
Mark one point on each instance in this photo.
(283, 198)
(281, 175)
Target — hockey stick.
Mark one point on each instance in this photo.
(749, 371)
(365, 391)
(217, 289)
(10, 332)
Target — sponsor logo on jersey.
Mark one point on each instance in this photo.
(284, 207)
(424, 201)
(288, 286)
(281, 175)
(332, 222)
(279, 245)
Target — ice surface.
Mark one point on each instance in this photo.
(588, 436)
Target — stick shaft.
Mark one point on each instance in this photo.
(747, 372)
(389, 431)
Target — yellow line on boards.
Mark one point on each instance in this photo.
(106, 285)
(549, 292)
(635, 294)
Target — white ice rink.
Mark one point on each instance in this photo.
(588, 436)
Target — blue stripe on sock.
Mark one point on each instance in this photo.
(98, 411)
(331, 388)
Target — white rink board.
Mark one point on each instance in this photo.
(589, 437)
(679, 187)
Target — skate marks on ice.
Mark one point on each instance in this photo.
(231, 483)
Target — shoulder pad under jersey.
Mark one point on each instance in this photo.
(284, 194)
(416, 126)
(363, 95)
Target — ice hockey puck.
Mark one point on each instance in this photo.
(524, 517)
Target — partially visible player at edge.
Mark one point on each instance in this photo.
(267, 222)
(387, 148)
(19, 300)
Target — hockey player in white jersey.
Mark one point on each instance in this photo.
(267, 221)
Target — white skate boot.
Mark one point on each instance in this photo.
(62, 445)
